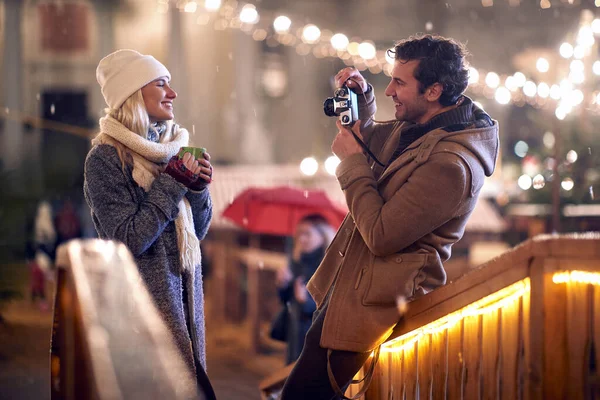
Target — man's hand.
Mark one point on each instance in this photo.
(352, 78)
(344, 144)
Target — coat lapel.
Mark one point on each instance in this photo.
(407, 156)
(387, 151)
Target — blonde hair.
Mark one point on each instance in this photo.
(134, 116)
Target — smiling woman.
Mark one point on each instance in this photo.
(158, 99)
(143, 194)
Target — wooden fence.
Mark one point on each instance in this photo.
(108, 340)
(526, 325)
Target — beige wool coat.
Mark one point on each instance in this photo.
(402, 223)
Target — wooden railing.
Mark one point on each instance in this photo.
(108, 340)
(523, 326)
(226, 284)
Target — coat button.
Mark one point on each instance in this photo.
(340, 253)
(398, 259)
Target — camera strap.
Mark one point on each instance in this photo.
(365, 148)
(366, 379)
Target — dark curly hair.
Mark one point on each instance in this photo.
(441, 60)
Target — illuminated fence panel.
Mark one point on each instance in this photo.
(486, 305)
(526, 325)
(483, 350)
(459, 355)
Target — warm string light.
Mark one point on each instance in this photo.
(544, 4)
(592, 278)
(487, 305)
(513, 89)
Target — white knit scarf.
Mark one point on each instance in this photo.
(149, 160)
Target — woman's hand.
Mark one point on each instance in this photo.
(204, 172)
(182, 170)
(191, 163)
(193, 173)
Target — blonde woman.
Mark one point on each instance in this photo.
(141, 194)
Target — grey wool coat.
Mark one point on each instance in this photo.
(145, 223)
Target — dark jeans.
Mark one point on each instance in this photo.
(309, 379)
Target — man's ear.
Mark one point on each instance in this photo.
(434, 92)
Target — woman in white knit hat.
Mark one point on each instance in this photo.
(143, 195)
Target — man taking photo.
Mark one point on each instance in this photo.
(407, 208)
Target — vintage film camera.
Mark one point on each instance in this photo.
(344, 104)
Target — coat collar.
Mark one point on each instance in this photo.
(420, 150)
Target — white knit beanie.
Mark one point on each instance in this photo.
(124, 72)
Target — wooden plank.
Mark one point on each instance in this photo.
(380, 385)
(509, 350)
(456, 363)
(392, 374)
(267, 259)
(582, 245)
(411, 368)
(234, 298)
(555, 339)
(594, 381)
(253, 305)
(386, 375)
(439, 362)
(516, 261)
(459, 300)
(424, 367)
(491, 355)
(472, 354)
(578, 338)
(525, 347)
(398, 381)
(536, 331)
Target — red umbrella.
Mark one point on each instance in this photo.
(276, 211)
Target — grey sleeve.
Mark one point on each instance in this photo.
(201, 204)
(119, 214)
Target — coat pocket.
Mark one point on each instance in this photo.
(393, 276)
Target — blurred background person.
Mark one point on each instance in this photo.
(313, 236)
(67, 223)
(44, 235)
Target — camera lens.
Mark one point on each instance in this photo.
(329, 108)
(345, 119)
